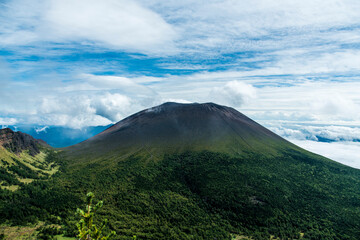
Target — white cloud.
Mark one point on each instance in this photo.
(90, 101)
(279, 115)
(107, 82)
(8, 121)
(293, 133)
(185, 27)
(345, 153)
(120, 24)
(116, 24)
(339, 143)
(235, 93)
(291, 99)
(81, 109)
(174, 100)
(295, 99)
(41, 129)
(335, 105)
(112, 106)
(259, 24)
(320, 102)
(318, 133)
(77, 121)
(323, 60)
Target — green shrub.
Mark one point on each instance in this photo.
(87, 229)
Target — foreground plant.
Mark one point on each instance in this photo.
(88, 230)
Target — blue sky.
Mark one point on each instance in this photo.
(294, 66)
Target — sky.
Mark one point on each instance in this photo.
(293, 66)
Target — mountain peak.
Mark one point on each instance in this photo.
(174, 105)
(174, 127)
(196, 107)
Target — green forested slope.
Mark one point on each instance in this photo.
(210, 195)
(252, 183)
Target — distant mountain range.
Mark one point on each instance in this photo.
(195, 171)
(57, 136)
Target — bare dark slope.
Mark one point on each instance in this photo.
(174, 127)
(17, 142)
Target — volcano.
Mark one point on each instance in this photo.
(197, 171)
(207, 171)
(174, 127)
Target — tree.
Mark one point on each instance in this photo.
(87, 229)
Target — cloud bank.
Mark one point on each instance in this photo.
(345, 153)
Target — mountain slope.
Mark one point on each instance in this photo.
(203, 171)
(174, 127)
(196, 171)
(22, 159)
(17, 142)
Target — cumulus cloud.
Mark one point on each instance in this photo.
(92, 100)
(81, 109)
(112, 106)
(235, 93)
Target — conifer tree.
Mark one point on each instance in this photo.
(87, 229)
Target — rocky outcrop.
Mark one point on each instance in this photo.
(17, 142)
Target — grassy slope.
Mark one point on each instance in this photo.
(30, 232)
(27, 193)
(23, 168)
